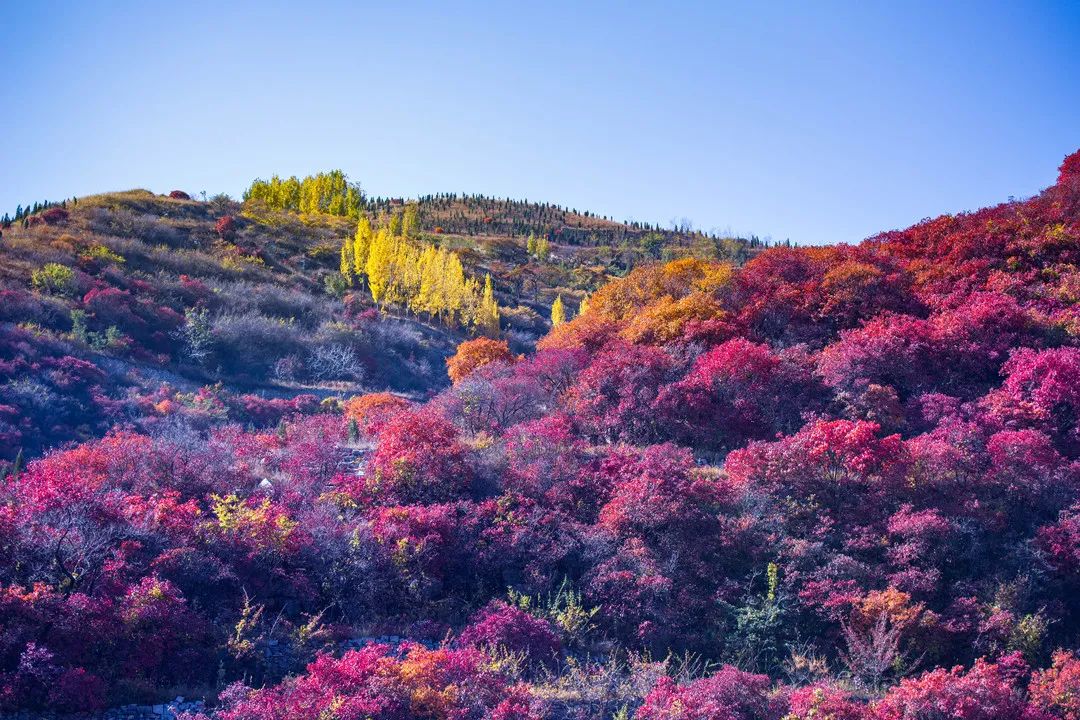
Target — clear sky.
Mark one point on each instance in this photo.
(814, 121)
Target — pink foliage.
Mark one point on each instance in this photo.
(987, 691)
(504, 626)
(728, 694)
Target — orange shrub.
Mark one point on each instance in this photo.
(372, 410)
(474, 354)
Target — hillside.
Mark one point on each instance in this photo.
(127, 308)
(838, 482)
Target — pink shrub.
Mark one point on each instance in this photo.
(503, 626)
(728, 694)
(985, 692)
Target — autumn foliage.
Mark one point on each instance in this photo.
(837, 482)
(474, 354)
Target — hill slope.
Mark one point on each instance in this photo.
(834, 482)
(128, 307)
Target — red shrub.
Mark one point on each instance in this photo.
(824, 702)
(55, 215)
(503, 626)
(419, 458)
(985, 692)
(1057, 689)
(729, 694)
(613, 397)
(225, 227)
(77, 690)
(370, 683)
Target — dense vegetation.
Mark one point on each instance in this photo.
(838, 482)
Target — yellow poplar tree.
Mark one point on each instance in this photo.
(377, 268)
(362, 244)
(455, 291)
(558, 313)
(487, 319)
(469, 312)
(410, 221)
(347, 261)
(426, 298)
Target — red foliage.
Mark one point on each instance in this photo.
(1057, 689)
(499, 625)
(985, 692)
(653, 492)
(736, 392)
(55, 215)
(420, 458)
(841, 465)
(728, 694)
(225, 227)
(1070, 168)
(179, 195)
(1042, 390)
(371, 683)
(612, 398)
(1060, 543)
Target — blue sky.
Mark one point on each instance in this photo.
(820, 121)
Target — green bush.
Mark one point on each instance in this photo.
(54, 278)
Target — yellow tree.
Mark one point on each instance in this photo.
(470, 303)
(348, 264)
(377, 268)
(456, 289)
(487, 316)
(406, 272)
(288, 197)
(309, 196)
(427, 297)
(361, 244)
(410, 221)
(558, 313)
